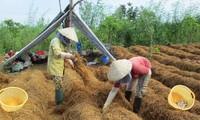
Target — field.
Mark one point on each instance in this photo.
(87, 87)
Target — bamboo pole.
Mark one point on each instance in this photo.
(70, 12)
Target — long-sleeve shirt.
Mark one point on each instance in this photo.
(55, 65)
(140, 67)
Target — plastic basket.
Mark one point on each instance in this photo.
(181, 94)
(12, 98)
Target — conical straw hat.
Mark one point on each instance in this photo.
(119, 69)
(70, 33)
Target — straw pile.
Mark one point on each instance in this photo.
(87, 87)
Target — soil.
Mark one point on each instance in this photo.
(87, 87)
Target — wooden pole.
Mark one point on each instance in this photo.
(68, 20)
(70, 12)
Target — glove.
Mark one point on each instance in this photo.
(70, 62)
(111, 96)
(65, 55)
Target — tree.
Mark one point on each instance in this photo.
(32, 15)
(92, 13)
(108, 29)
(190, 28)
(131, 14)
(120, 13)
(14, 29)
(145, 27)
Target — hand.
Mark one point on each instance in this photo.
(73, 58)
(65, 55)
(69, 61)
(105, 106)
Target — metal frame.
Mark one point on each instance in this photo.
(76, 20)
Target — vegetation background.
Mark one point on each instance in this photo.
(127, 26)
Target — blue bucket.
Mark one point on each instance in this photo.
(104, 59)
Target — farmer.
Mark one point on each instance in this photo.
(132, 71)
(58, 53)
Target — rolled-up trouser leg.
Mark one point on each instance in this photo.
(141, 89)
(130, 84)
(142, 84)
(129, 88)
(59, 94)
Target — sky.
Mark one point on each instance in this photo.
(18, 10)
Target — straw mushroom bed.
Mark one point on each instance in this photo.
(87, 87)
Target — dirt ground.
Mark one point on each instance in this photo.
(86, 88)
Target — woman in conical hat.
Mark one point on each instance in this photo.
(58, 53)
(132, 71)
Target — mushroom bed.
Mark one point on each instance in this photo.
(87, 87)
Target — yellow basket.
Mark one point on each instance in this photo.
(181, 97)
(12, 98)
